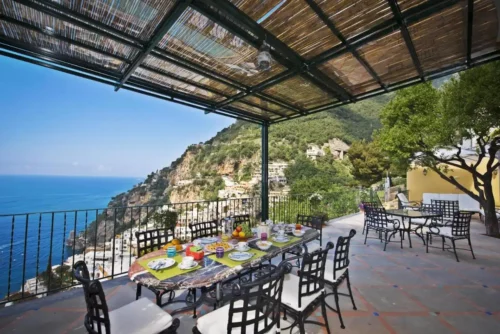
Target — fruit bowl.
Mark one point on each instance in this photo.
(245, 238)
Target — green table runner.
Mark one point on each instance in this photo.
(167, 273)
(231, 263)
(285, 244)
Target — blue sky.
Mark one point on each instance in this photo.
(54, 123)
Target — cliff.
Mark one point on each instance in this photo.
(234, 153)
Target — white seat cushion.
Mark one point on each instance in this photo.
(290, 294)
(467, 203)
(139, 317)
(329, 273)
(216, 321)
(445, 231)
(420, 221)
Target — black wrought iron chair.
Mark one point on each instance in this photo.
(311, 222)
(254, 308)
(204, 229)
(459, 230)
(303, 293)
(240, 219)
(447, 208)
(340, 272)
(147, 242)
(139, 316)
(404, 203)
(367, 205)
(377, 221)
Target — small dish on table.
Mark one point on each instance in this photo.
(240, 256)
(264, 245)
(160, 264)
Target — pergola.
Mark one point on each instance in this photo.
(203, 53)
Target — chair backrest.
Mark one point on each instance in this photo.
(310, 221)
(151, 240)
(255, 307)
(370, 205)
(312, 272)
(97, 318)
(204, 229)
(81, 272)
(240, 219)
(341, 257)
(376, 217)
(448, 208)
(430, 208)
(461, 224)
(402, 198)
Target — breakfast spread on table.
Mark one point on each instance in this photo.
(213, 247)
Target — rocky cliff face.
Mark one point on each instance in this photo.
(234, 152)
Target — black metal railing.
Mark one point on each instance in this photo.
(38, 250)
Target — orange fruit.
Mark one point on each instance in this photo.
(242, 234)
(235, 233)
(175, 242)
(178, 247)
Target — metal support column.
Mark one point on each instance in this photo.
(265, 172)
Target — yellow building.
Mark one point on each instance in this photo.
(424, 180)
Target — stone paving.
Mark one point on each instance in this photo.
(397, 291)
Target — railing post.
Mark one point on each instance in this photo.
(265, 171)
(217, 209)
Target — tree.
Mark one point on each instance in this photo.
(427, 126)
(368, 162)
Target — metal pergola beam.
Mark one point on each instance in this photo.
(58, 66)
(186, 64)
(470, 23)
(61, 38)
(385, 28)
(406, 35)
(265, 171)
(448, 70)
(169, 20)
(254, 34)
(84, 22)
(208, 89)
(60, 12)
(329, 23)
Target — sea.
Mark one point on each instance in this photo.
(37, 214)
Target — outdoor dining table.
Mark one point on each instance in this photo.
(409, 215)
(211, 270)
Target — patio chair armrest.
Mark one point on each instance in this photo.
(396, 223)
(434, 229)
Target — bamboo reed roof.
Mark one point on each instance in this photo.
(203, 53)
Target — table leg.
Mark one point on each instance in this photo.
(218, 293)
(409, 231)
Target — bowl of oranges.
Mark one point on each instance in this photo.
(174, 243)
(242, 232)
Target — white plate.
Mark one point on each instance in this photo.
(205, 249)
(193, 265)
(241, 249)
(240, 256)
(281, 240)
(208, 240)
(160, 264)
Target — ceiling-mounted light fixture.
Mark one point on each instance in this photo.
(264, 59)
